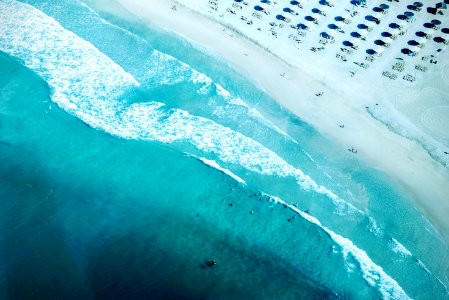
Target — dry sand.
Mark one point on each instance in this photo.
(342, 102)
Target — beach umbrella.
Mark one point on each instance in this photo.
(324, 2)
(362, 26)
(280, 17)
(294, 2)
(445, 30)
(310, 19)
(409, 16)
(332, 26)
(372, 19)
(302, 26)
(418, 4)
(384, 6)
(432, 10)
(316, 10)
(377, 9)
(380, 43)
(371, 52)
(394, 26)
(436, 22)
(421, 34)
(386, 34)
(412, 7)
(429, 25)
(358, 2)
(348, 44)
(339, 19)
(258, 8)
(413, 43)
(325, 35)
(356, 34)
(407, 51)
(439, 39)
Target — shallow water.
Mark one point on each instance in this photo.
(105, 195)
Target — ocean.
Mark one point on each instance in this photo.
(131, 159)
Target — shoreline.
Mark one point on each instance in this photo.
(403, 160)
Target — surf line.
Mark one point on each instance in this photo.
(373, 274)
(213, 164)
(200, 78)
(90, 92)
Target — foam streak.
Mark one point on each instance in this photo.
(372, 273)
(88, 84)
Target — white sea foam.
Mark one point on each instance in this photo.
(308, 155)
(258, 116)
(399, 124)
(232, 102)
(87, 84)
(215, 165)
(127, 32)
(373, 227)
(64, 60)
(423, 266)
(372, 273)
(206, 83)
(399, 248)
(404, 252)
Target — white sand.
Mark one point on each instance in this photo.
(344, 98)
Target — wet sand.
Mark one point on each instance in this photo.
(295, 84)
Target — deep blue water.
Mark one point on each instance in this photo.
(103, 125)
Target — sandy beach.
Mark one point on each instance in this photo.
(295, 80)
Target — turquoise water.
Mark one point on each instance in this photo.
(112, 137)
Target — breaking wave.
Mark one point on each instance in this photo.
(88, 84)
(372, 273)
